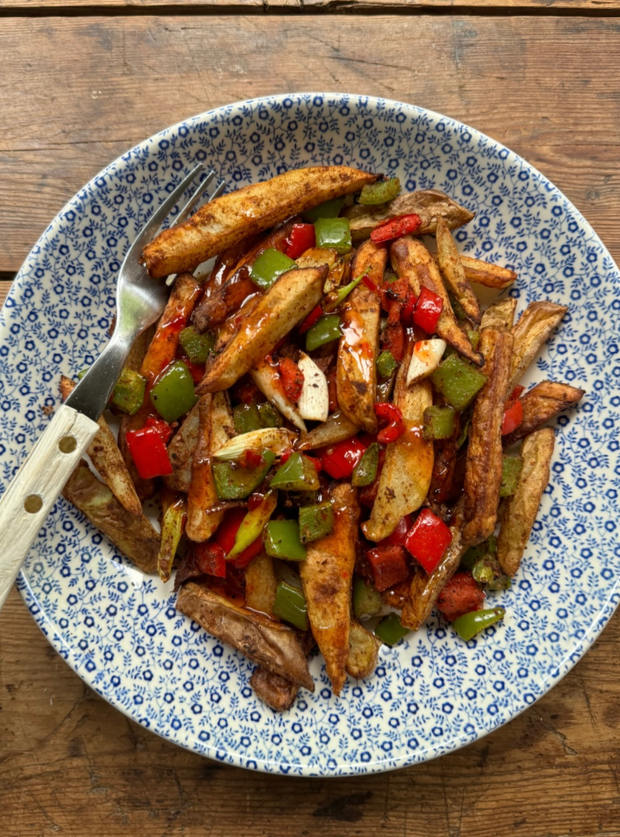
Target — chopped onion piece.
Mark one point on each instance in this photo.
(425, 359)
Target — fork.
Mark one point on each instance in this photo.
(140, 301)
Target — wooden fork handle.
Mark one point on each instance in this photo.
(30, 495)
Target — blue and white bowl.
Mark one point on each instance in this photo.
(432, 693)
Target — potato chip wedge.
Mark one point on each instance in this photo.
(406, 475)
(181, 451)
(275, 691)
(133, 534)
(108, 460)
(487, 274)
(500, 315)
(260, 584)
(272, 645)
(531, 332)
(224, 221)
(202, 496)
(453, 271)
(289, 300)
(483, 463)
(356, 371)
(518, 513)
(337, 428)
(413, 262)
(326, 576)
(541, 403)
(363, 651)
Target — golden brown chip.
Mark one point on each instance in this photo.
(226, 220)
(453, 271)
(518, 513)
(531, 332)
(483, 464)
(485, 273)
(541, 403)
(500, 315)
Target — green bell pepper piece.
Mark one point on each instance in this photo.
(128, 393)
(246, 418)
(511, 471)
(470, 624)
(268, 266)
(438, 422)
(474, 336)
(328, 209)
(458, 381)
(282, 540)
(173, 395)
(290, 606)
(365, 472)
(386, 364)
(390, 630)
(487, 571)
(269, 416)
(380, 192)
(297, 474)
(196, 346)
(315, 521)
(325, 330)
(233, 482)
(367, 601)
(333, 234)
(481, 550)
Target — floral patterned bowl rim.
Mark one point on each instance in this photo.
(433, 693)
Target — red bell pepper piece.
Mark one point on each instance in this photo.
(513, 416)
(250, 459)
(395, 227)
(395, 424)
(311, 319)
(226, 534)
(147, 447)
(516, 393)
(340, 460)
(428, 539)
(427, 310)
(196, 370)
(388, 565)
(332, 389)
(460, 595)
(211, 559)
(406, 315)
(291, 379)
(300, 239)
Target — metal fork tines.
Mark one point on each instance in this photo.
(140, 300)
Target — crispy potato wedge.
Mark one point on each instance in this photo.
(226, 220)
(413, 262)
(339, 266)
(337, 428)
(133, 534)
(226, 298)
(487, 274)
(163, 347)
(483, 463)
(275, 691)
(181, 451)
(326, 577)
(429, 204)
(453, 271)
(500, 315)
(356, 371)
(541, 403)
(363, 651)
(531, 332)
(425, 589)
(289, 300)
(272, 645)
(108, 460)
(518, 512)
(202, 496)
(406, 475)
(260, 584)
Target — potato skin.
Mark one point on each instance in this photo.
(225, 221)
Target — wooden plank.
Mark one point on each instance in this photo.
(73, 765)
(4, 289)
(517, 79)
(505, 6)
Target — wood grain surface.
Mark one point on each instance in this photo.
(516, 79)
(79, 85)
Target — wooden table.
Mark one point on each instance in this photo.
(80, 84)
